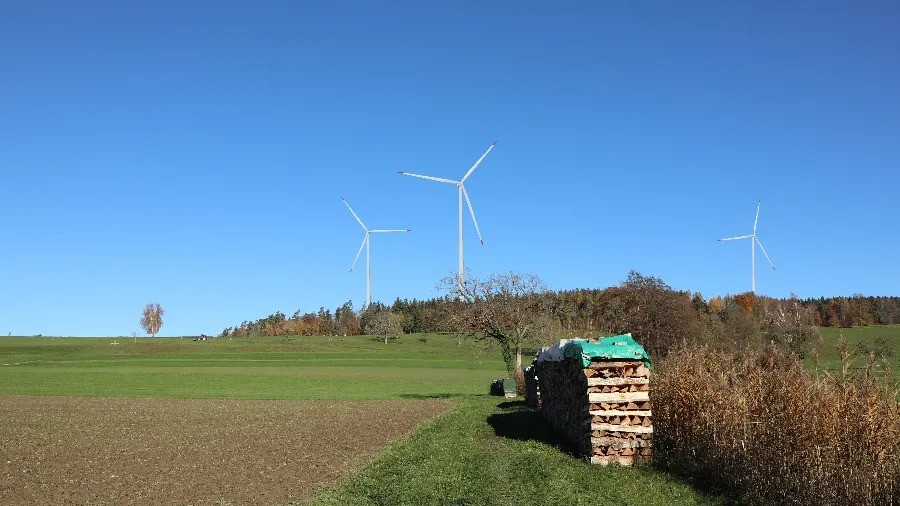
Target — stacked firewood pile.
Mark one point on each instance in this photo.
(621, 425)
(532, 389)
(602, 409)
(564, 401)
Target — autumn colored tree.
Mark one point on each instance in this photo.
(151, 320)
(716, 305)
(346, 320)
(832, 313)
(656, 315)
(748, 301)
(861, 313)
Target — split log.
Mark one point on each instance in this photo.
(605, 441)
(593, 382)
(639, 429)
(620, 397)
(618, 412)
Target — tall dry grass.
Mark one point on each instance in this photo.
(763, 430)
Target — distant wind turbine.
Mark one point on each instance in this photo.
(754, 240)
(365, 243)
(461, 190)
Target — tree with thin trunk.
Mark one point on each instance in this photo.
(385, 324)
(151, 320)
(510, 310)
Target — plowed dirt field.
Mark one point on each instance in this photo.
(77, 450)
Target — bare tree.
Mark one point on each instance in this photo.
(151, 320)
(385, 324)
(511, 310)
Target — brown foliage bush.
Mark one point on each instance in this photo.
(761, 428)
(656, 316)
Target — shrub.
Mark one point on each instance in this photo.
(657, 316)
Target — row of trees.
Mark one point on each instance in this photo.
(855, 311)
(518, 313)
(343, 321)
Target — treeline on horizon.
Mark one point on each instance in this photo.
(593, 311)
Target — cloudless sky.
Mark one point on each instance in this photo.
(194, 153)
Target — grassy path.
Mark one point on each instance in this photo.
(491, 452)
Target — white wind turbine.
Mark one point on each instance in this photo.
(461, 190)
(365, 243)
(753, 242)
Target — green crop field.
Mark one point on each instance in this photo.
(486, 450)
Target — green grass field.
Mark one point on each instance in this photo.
(486, 451)
(249, 368)
(884, 340)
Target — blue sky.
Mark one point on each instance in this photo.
(194, 153)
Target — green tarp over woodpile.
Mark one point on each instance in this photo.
(621, 347)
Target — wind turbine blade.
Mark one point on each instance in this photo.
(363, 225)
(438, 179)
(359, 252)
(404, 230)
(733, 238)
(764, 253)
(478, 162)
(472, 212)
(757, 218)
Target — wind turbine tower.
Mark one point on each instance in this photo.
(365, 243)
(461, 193)
(754, 240)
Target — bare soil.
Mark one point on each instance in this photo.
(76, 450)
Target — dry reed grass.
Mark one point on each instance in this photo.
(763, 430)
